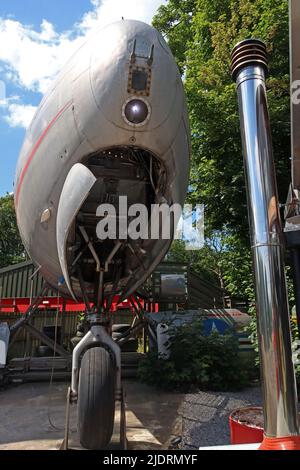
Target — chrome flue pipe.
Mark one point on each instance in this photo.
(249, 68)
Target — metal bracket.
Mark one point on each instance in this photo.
(65, 443)
(123, 437)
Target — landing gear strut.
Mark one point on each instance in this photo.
(95, 386)
(96, 366)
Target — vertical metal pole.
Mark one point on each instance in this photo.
(249, 66)
(63, 321)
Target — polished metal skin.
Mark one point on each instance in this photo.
(114, 123)
(279, 386)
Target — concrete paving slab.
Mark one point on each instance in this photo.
(32, 417)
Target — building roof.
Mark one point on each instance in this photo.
(21, 281)
(24, 281)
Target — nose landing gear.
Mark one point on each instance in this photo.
(96, 385)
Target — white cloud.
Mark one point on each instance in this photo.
(19, 115)
(107, 11)
(33, 58)
(47, 31)
(4, 103)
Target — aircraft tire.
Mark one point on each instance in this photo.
(96, 399)
(118, 328)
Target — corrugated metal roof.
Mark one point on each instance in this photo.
(16, 266)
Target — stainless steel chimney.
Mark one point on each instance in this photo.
(249, 67)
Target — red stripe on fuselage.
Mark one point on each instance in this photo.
(35, 149)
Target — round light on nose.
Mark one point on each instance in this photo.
(136, 111)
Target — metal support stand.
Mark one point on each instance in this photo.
(65, 443)
(123, 437)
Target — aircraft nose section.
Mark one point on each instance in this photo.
(134, 79)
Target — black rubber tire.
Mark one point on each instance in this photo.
(120, 328)
(116, 336)
(44, 351)
(96, 399)
(131, 345)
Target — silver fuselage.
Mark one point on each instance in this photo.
(81, 119)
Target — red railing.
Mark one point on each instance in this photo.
(21, 305)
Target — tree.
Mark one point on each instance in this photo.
(11, 247)
(201, 34)
(223, 260)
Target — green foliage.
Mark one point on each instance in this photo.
(224, 260)
(252, 328)
(174, 21)
(205, 362)
(205, 262)
(11, 248)
(296, 350)
(201, 35)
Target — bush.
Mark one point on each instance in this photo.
(197, 361)
(252, 332)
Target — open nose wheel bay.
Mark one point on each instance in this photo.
(98, 268)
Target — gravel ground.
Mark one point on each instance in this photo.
(205, 416)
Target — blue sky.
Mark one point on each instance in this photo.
(37, 37)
